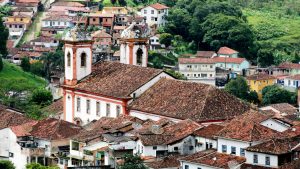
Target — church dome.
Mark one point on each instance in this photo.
(77, 34)
(136, 31)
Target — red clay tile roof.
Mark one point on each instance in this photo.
(11, 118)
(101, 15)
(166, 162)
(182, 100)
(56, 107)
(205, 54)
(208, 131)
(229, 60)
(260, 77)
(213, 159)
(292, 132)
(285, 108)
(101, 34)
(22, 9)
(289, 65)
(196, 60)
(71, 4)
(247, 127)
(58, 18)
(227, 51)
(54, 129)
(116, 79)
(276, 146)
(23, 129)
(169, 134)
(159, 6)
(294, 77)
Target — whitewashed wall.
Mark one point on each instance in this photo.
(232, 143)
(261, 159)
(274, 125)
(204, 141)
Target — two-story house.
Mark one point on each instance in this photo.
(17, 24)
(236, 65)
(258, 81)
(100, 19)
(227, 52)
(198, 69)
(155, 14)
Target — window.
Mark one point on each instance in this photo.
(211, 66)
(186, 167)
(88, 106)
(98, 108)
(145, 11)
(154, 147)
(152, 11)
(242, 152)
(139, 56)
(267, 160)
(289, 82)
(155, 19)
(118, 111)
(94, 19)
(75, 145)
(58, 23)
(203, 75)
(255, 160)
(175, 148)
(68, 59)
(152, 18)
(224, 149)
(78, 105)
(83, 59)
(20, 26)
(233, 150)
(107, 109)
(191, 147)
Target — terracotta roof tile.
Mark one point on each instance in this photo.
(289, 65)
(227, 51)
(159, 6)
(183, 100)
(116, 79)
(260, 77)
(65, 3)
(208, 131)
(276, 146)
(54, 129)
(213, 159)
(294, 77)
(56, 107)
(11, 118)
(166, 162)
(196, 60)
(205, 54)
(229, 60)
(101, 34)
(247, 127)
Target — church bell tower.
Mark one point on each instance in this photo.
(134, 45)
(78, 55)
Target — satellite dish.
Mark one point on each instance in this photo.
(156, 129)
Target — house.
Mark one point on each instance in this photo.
(258, 81)
(154, 42)
(60, 22)
(55, 110)
(273, 153)
(205, 137)
(211, 159)
(282, 110)
(165, 137)
(178, 100)
(170, 162)
(66, 3)
(289, 68)
(99, 19)
(17, 24)
(236, 65)
(206, 54)
(101, 39)
(227, 52)
(115, 10)
(242, 132)
(44, 41)
(71, 11)
(23, 11)
(198, 69)
(291, 83)
(155, 14)
(30, 4)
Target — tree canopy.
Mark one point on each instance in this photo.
(25, 64)
(132, 162)
(4, 35)
(6, 164)
(274, 94)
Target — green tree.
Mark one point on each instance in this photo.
(53, 61)
(1, 63)
(222, 30)
(166, 39)
(4, 35)
(265, 57)
(100, 6)
(37, 68)
(157, 63)
(175, 74)
(25, 64)
(6, 164)
(253, 97)
(132, 162)
(238, 87)
(122, 2)
(275, 94)
(41, 97)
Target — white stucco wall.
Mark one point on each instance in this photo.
(190, 165)
(48, 23)
(275, 125)
(184, 146)
(232, 143)
(148, 150)
(199, 72)
(8, 144)
(262, 159)
(161, 20)
(124, 54)
(145, 116)
(203, 141)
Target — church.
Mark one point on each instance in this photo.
(105, 89)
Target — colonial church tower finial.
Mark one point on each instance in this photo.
(134, 41)
(78, 55)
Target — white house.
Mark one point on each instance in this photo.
(227, 52)
(57, 21)
(291, 82)
(198, 69)
(154, 42)
(155, 14)
(43, 41)
(277, 124)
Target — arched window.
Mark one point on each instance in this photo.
(83, 59)
(68, 59)
(139, 56)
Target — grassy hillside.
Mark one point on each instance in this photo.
(13, 72)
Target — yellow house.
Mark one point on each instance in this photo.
(259, 81)
(18, 21)
(115, 10)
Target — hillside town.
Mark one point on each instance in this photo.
(108, 84)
